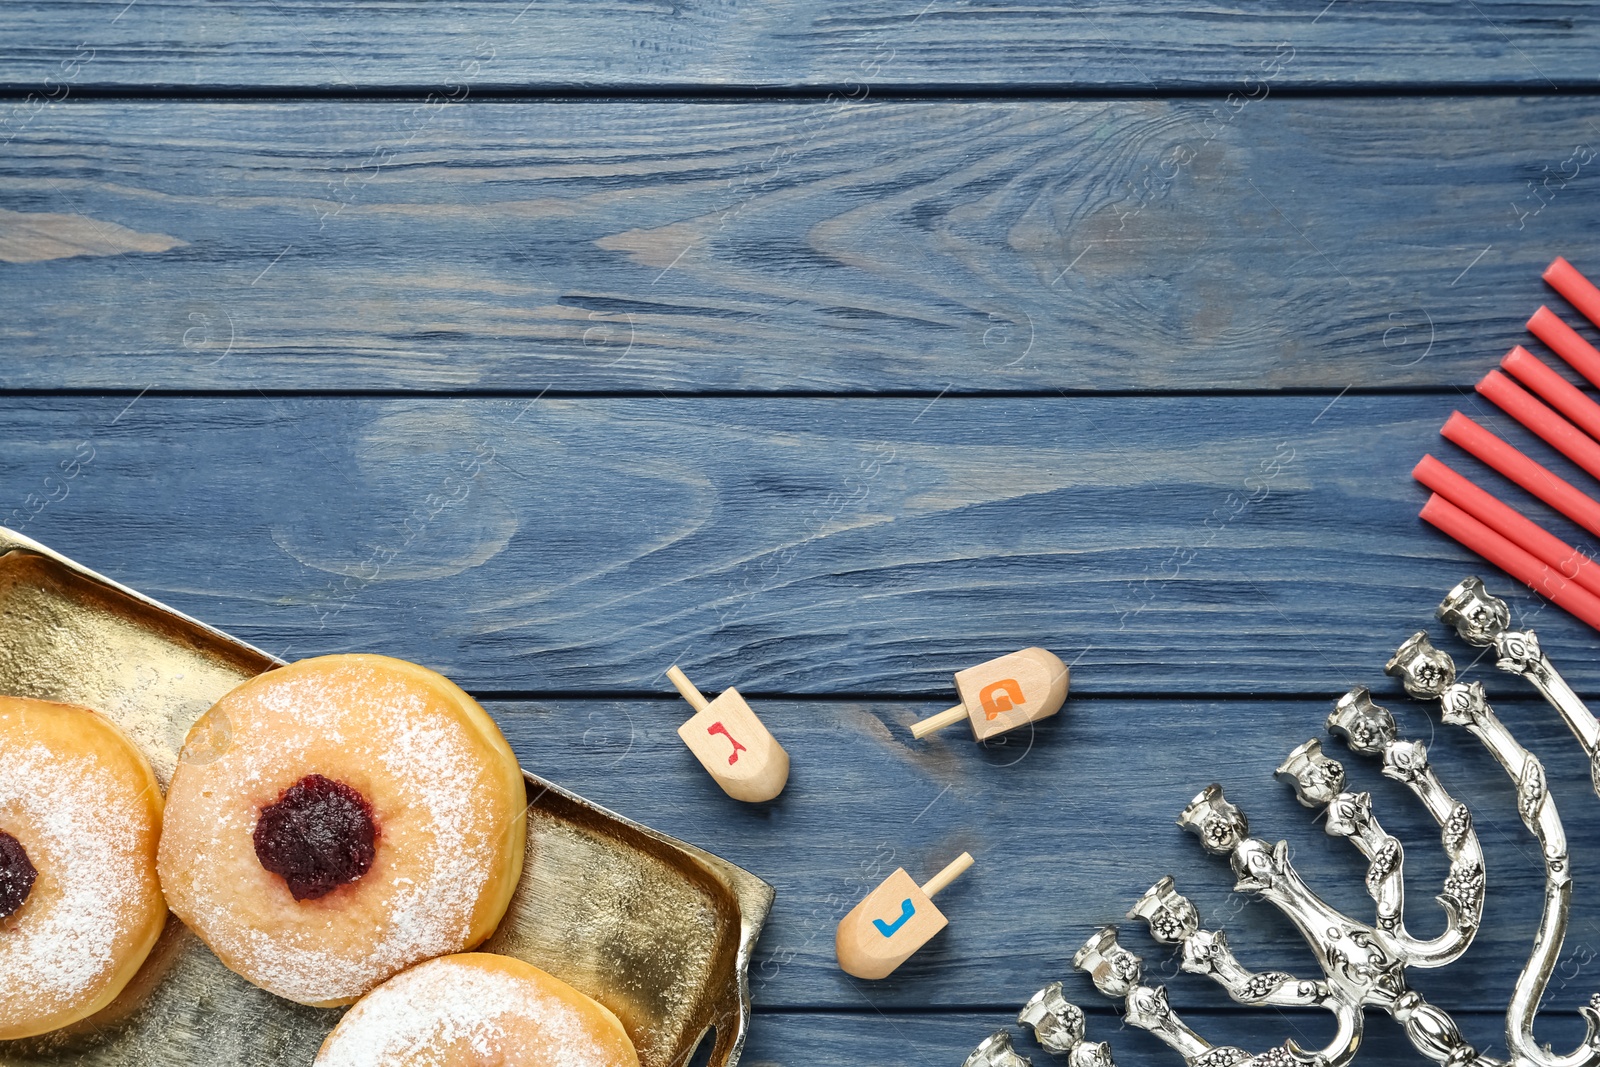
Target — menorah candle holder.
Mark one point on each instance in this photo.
(1363, 963)
(996, 1051)
(1059, 1027)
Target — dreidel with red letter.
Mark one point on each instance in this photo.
(1004, 694)
(732, 744)
(893, 922)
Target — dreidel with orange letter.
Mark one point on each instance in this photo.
(893, 922)
(1004, 694)
(732, 744)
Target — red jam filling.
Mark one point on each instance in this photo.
(16, 875)
(317, 836)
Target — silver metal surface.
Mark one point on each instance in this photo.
(1484, 620)
(1429, 674)
(1364, 964)
(659, 931)
(996, 1051)
(1059, 1026)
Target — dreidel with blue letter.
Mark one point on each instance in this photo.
(732, 744)
(893, 922)
(1004, 694)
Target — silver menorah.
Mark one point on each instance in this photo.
(1363, 964)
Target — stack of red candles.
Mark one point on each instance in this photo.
(1566, 419)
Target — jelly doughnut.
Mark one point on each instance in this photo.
(477, 1010)
(80, 903)
(335, 821)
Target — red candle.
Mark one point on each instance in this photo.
(1557, 432)
(1536, 479)
(1516, 562)
(1580, 355)
(1554, 389)
(1508, 522)
(1578, 290)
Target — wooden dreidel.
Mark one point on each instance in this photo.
(895, 919)
(1004, 694)
(732, 744)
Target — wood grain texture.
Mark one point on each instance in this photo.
(1217, 545)
(962, 246)
(1069, 824)
(872, 1039)
(1216, 568)
(854, 45)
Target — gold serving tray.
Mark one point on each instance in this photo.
(659, 931)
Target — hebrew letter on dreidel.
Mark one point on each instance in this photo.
(757, 767)
(733, 757)
(869, 947)
(1000, 697)
(907, 909)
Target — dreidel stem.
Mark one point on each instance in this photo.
(948, 875)
(686, 689)
(927, 726)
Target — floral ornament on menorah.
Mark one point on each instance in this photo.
(1363, 964)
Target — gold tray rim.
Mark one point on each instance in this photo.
(753, 895)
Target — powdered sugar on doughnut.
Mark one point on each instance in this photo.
(431, 754)
(84, 839)
(415, 1016)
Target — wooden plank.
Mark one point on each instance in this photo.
(870, 1039)
(849, 45)
(1181, 545)
(1069, 825)
(670, 246)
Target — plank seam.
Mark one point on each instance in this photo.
(551, 393)
(820, 93)
(615, 695)
(1094, 1008)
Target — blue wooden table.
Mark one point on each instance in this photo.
(825, 348)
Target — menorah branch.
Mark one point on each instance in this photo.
(1429, 674)
(1369, 730)
(1484, 621)
(1174, 920)
(1318, 782)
